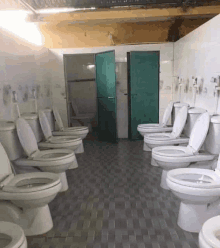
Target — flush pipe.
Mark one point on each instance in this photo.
(15, 100)
(35, 100)
(180, 87)
(217, 89)
(195, 88)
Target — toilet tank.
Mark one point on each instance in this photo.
(10, 141)
(176, 107)
(193, 114)
(50, 117)
(33, 121)
(212, 141)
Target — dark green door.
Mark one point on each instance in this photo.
(143, 90)
(106, 95)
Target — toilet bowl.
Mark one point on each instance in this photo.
(54, 160)
(12, 236)
(58, 142)
(162, 139)
(157, 128)
(24, 198)
(78, 132)
(209, 235)
(199, 192)
(172, 157)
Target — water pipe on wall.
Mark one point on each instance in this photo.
(15, 101)
(35, 100)
(180, 82)
(216, 91)
(195, 89)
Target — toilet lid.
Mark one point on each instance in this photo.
(180, 104)
(167, 113)
(199, 132)
(14, 232)
(194, 177)
(210, 231)
(179, 122)
(32, 182)
(26, 136)
(194, 110)
(58, 118)
(5, 164)
(45, 125)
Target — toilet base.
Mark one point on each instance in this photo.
(36, 221)
(79, 149)
(163, 182)
(146, 147)
(74, 164)
(191, 217)
(153, 162)
(63, 180)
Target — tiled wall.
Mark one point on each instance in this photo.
(166, 77)
(23, 67)
(197, 55)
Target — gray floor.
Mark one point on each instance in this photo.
(114, 200)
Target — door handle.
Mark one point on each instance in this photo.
(110, 97)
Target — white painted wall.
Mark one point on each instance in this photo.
(166, 77)
(24, 66)
(197, 54)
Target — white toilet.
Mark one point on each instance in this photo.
(162, 139)
(157, 128)
(172, 157)
(24, 198)
(199, 192)
(54, 160)
(192, 115)
(209, 235)
(58, 142)
(12, 236)
(38, 123)
(78, 132)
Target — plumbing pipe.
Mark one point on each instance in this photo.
(195, 87)
(35, 100)
(15, 100)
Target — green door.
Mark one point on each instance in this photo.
(143, 90)
(106, 95)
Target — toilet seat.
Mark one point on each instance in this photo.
(166, 116)
(20, 183)
(29, 143)
(196, 140)
(209, 229)
(178, 126)
(173, 151)
(48, 133)
(15, 233)
(60, 123)
(195, 178)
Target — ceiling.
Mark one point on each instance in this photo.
(178, 17)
